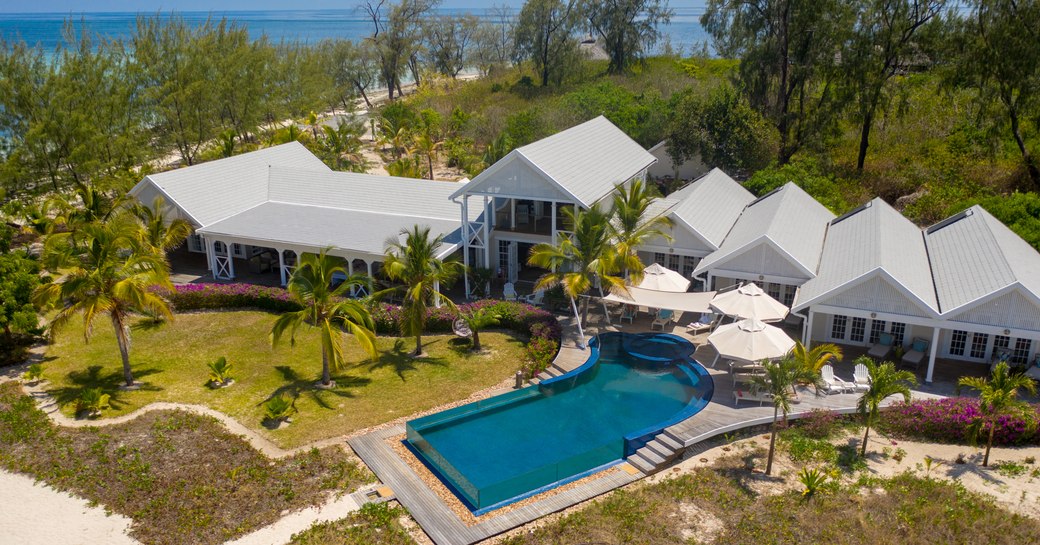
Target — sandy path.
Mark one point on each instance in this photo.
(36, 514)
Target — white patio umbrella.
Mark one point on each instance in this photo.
(750, 341)
(749, 301)
(658, 278)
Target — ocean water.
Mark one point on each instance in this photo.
(306, 26)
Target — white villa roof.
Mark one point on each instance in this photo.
(974, 255)
(209, 192)
(585, 162)
(872, 238)
(710, 205)
(789, 217)
(316, 226)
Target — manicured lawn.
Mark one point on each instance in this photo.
(171, 360)
(182, 478)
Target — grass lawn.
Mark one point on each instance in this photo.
(171, 360)
(182, 478)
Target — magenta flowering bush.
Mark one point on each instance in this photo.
(947, 421)
(186, 297)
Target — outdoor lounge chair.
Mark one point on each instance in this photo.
(664, 316)
(705, 322)
(916, 354)
(833, 384)
(751, 395)
(883, 348)
(509, 292)
(861, 378)
(535, 298)
(628, 312)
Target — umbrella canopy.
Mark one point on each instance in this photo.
(749, 301)
(658, 278)
(750, 341)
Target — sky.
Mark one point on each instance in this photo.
(79, 6)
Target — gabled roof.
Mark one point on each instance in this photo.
(872, 239)
(973, 255)
(584, 162)
(789, 218)
(710, 205)
(209, 192)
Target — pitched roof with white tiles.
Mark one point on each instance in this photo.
(585, 162)
(710, 205)
(974, 255)
(874, 238)
(789, 217)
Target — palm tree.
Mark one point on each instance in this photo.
(816, 357)
(579, 261)
(631, 227)
(107, 273)
(415, 262)
(779, 381)
(998, 395)
(160, 232)
(326, 308)
(479, 319)
(427, 143)
(885, 381)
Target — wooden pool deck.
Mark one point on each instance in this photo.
(721, 415)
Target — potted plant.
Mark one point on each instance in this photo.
(220, 373)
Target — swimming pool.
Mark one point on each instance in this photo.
(496, 451)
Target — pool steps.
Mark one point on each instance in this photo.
(658, 453)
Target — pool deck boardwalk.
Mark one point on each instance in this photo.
(721, 415)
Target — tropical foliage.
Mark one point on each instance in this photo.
(885, 381)
(998, 396)
(779, 381)
(416, 263)
(632, 226)
(325, 307)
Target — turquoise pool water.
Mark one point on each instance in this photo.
(501, 449)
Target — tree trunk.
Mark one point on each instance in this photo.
(429, 160)
(326, 375)
(124, 347)
(476, 340)
(772, 442)
(989, 443)
(1031, 167)
(785, 94)
(864, 140)
(361, 90)
(863, 447)
(418, 345)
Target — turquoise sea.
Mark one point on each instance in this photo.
(307, 26)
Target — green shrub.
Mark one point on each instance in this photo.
(812, 480)
(92, 401)
(33, 373)
(220, 372)
(280, 408)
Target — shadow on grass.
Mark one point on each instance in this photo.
(296, 385)
(109, 382)
(401, 360)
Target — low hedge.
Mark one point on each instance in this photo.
(519, 317)
(947, 420)
(187, 297)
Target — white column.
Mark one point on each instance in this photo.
(807, 334)
(437, 294)
(368, 265)
(350, 272)
(931, 354)
(208, 244)
(281, 264)
(512, 214)
(554, 223)
(488, 211)
(466, 242)
(230, 260)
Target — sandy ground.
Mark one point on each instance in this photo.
(887, 458)
(36, 514)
